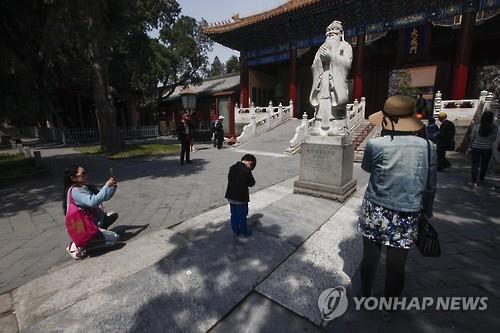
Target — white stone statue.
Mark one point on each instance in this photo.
(329, 92)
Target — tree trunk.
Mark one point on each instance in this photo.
(109, 135)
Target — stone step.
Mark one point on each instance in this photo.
(45, 296)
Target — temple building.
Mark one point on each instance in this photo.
(413, 46)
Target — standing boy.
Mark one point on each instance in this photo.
(240, 178)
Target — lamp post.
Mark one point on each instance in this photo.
(188, 98)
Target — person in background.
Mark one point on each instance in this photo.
(431, 130)
(75, 184)
(445, 140)
(219, 132)
(421, 106)
(240, 178)
(483, 138)
(398, 164)
(185, 136)
(214, 138)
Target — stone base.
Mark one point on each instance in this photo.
(326, 166)
(325, 191)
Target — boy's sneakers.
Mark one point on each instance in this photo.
(75, 252)
(247, 234)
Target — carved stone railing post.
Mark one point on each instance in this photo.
(437, 102)
(355, 110)
(270, 107)
(305, 124)
(254, 125)
(269, 115)
(290, 114)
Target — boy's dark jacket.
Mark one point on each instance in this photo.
(240, 178)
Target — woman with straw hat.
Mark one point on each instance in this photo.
(398, 165)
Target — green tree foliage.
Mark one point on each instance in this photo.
(233, 65)
(400, 83)
(180, 54)
(488, 78)
(100, 48)
(217, 68)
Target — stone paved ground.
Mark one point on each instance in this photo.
(155, 192)
(468, 224)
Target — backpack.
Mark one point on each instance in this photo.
(79, 223)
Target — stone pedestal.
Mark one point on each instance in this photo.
(326, 164)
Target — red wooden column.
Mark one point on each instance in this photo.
(358, 68)
(464, 45)
(244, 84)
(292, 89)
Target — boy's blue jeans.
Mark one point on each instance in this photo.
(239, 214)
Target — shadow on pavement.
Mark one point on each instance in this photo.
(32, 193)
(126, 234)
(99, 251)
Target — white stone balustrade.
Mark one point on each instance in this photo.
(355, 114)
(260, 119)
(468, 116)
(459, 109)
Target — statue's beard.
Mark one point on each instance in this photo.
(332, 42)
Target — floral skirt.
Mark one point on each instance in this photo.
(388, 227)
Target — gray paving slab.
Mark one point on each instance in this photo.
(188, 291)
(329, 258)
(5, 303)
(8, 324)
(296, 217)
(49, 294)
(5, 227)
(22, 223)
(259, 314)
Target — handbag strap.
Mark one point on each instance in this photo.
(427, 184)
(70, 200)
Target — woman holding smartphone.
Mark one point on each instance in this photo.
(87, 198)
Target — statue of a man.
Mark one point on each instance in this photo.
(329, 93)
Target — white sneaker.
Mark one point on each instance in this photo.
(75, 252)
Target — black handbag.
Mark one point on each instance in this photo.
(427, 240)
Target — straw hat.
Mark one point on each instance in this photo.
(398, 110)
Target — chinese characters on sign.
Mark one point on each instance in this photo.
(414, 42)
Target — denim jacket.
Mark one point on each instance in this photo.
(83, 197)
(398, 170)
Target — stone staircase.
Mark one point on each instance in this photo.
(361, 134)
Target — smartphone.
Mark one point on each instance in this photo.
(111, 173)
